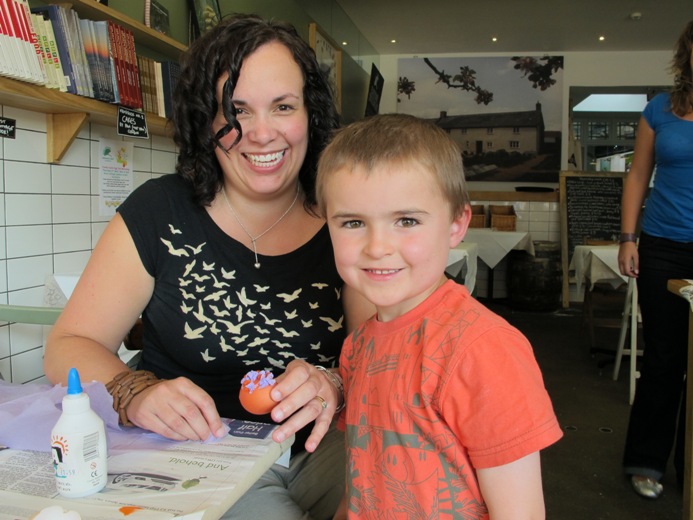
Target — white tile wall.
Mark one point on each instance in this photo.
(49, 221)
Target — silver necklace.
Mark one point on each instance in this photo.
(253, 239)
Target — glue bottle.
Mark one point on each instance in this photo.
(78, 444)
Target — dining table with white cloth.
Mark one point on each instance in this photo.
(493, 246)
(596, 263)
(462, 263)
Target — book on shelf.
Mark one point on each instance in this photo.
(16, 46)
(170, 73)
(119, 67)
(145, 82)
(6, 65)
(131, 60)
(151, 64)
(105, 56)
(38, 71)
(54, 25)
(62, 21)
(61, 78)
(23, 64)
(44, 48)
(80, 53)
(89, 45)
(159, 86)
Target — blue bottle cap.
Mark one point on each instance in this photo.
(74, 386)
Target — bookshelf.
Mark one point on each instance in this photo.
(66, 113)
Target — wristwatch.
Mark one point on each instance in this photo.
(627, 237)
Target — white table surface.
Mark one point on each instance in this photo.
(464, 254)
(493, 245)
(596, 264)
(58, 289)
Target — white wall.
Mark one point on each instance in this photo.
(49, 221)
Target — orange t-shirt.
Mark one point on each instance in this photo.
(431, 396)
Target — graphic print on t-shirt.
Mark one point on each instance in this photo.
(224, 317)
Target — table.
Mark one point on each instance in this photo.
(57, 290)
(494, 245)
(596, 264)
(462, 262)
(684, 288)
(153, 477)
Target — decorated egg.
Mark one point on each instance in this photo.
(255, 392)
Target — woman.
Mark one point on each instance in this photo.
(664, 251)
(229, 267)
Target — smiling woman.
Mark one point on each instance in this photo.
(229, 266)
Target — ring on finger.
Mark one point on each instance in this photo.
(323, 403)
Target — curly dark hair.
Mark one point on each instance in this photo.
(223, 49)
(682, 91)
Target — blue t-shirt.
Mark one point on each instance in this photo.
(669, 208)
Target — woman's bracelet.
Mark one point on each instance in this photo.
(627, 237)
(126, 385)
(336, 380)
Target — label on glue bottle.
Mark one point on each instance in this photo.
(78, 444)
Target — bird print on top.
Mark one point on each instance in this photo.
(252, 322)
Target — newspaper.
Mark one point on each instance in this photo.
(149, 477)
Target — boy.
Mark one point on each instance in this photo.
(446, 409)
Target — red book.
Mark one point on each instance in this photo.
(114, 36)
(136, 89)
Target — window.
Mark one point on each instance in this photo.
(514, 144)
(577, 129)
(626, 129)
(516, 129)
(489, 145)
(489, 131)
(597, 130)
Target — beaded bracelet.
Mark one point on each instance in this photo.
(336, 380)
(126, 385)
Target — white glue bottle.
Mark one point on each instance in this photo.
(78, 444)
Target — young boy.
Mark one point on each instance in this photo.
(446, 409)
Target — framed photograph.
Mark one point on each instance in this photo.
(156, 16)
(329, 57)
(204, 14)
(375, 91)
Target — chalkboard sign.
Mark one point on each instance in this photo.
(590, 208)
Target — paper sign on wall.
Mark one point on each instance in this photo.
(115, 174)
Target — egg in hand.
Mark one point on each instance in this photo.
(255, 392)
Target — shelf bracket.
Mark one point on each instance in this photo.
(61, 132)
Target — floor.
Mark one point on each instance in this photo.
(582, 472)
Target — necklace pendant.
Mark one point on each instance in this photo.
(257, 265)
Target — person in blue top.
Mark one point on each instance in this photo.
(664, 250)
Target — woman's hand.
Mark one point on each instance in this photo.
(177, 409)
(304, 394)
(628, 260)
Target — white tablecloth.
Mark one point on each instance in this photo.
(495, 245)
(464, 255)
(58, 289)
(596, 264)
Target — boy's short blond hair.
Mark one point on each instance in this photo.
(396, 139)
